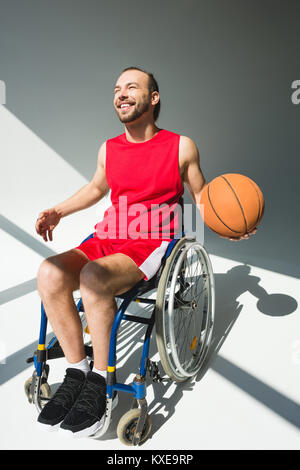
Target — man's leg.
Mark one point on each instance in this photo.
(57, 278)
(100, 281)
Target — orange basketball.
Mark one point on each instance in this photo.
(232, 205)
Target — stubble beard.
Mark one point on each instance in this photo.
(139, 110)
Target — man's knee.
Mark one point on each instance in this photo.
(95, 276)
(51, 276)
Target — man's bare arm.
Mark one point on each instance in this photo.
(193, 176)
(190, 162)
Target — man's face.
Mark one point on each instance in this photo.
(131, 96)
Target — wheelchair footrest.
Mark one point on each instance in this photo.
(55, 352)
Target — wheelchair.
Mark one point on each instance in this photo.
(183, 314)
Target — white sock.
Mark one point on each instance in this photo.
(81, 365)
(100, 372)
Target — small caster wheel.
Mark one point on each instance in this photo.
(45, 391)
(127, 426)
(27, 389)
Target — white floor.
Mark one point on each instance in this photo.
(248, 398)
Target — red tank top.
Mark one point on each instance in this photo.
(145, 185)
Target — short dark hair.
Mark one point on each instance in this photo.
(152, 85)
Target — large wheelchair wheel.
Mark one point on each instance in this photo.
(185, 304)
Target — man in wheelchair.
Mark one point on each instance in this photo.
(144, 167)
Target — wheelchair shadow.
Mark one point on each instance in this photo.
(162, 397)
(165, 396)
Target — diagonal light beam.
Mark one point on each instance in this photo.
(24, 237)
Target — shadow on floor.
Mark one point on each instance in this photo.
(229, 286)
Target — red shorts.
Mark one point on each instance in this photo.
(147, 254)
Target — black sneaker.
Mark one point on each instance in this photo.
(62, 401)
(87, 415)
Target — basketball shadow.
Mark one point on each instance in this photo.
(229, 287)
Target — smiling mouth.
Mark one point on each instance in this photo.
(125, 106)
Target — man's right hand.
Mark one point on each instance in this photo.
(46, 222)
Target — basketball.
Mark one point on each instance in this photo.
(232, 205)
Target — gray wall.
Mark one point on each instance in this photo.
(225, 69)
